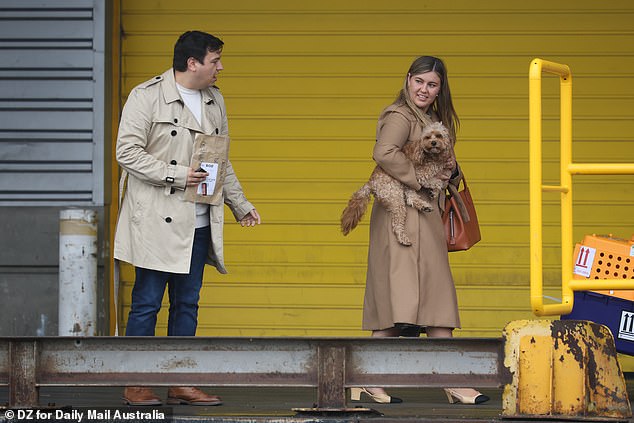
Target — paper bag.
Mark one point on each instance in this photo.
(211, 153)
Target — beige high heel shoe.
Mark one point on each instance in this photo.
(454, 396)
(355, 395)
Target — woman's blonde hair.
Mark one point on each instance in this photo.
(442, 106)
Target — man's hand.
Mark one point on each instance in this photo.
(251, 219)
(194, 177)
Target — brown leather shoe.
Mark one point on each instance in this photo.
(139, 395)
(191, 396)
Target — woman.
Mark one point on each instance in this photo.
(412, 286)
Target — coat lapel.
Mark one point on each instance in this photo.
(171, 95)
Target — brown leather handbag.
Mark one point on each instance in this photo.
(460, 219)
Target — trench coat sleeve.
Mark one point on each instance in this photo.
(131, 150)
(234, 196)
(392, 134)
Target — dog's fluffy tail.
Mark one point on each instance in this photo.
(355, 210)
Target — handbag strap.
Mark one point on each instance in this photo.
(453, 192)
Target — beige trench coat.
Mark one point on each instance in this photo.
(155, 229)
(406, 284)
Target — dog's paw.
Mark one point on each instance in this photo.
(423, 205)
(405, 242)
(417, 204)
(403, 239)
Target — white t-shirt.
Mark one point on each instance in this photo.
(193, 101)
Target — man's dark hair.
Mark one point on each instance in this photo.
(194, 44)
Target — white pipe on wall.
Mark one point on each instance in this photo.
(77, 272)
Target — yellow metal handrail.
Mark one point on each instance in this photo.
(567, 169)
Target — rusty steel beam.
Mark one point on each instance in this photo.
(4, 363)
(22, 360)
(329, 364)
(331, 376)
(436, 362)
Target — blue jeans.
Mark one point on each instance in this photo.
(183, 290)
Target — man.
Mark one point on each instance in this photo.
(167, 238)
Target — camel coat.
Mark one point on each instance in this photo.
(406, 284)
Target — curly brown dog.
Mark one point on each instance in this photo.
(432, 156)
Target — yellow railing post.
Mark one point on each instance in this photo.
(567, 169)
(565, 180)
(535, 142)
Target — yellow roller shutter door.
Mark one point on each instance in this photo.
(304, 83)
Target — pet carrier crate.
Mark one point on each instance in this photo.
(606, 257)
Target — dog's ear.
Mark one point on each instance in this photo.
(419, 150)
(414, 150)
(408, 148)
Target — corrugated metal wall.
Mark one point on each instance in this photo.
(51, 149)
(304, 84)
(52, 102)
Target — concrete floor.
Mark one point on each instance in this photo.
(242, 405)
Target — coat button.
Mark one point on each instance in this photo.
(172, 190)
(173, 162)
(175, 120)
(168, 219)
(217, 131)
(173, 133)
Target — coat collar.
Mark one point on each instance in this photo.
(171, 94)
(404, 110)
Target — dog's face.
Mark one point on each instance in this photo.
(435, 139)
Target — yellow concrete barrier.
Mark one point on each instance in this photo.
(563, 369)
